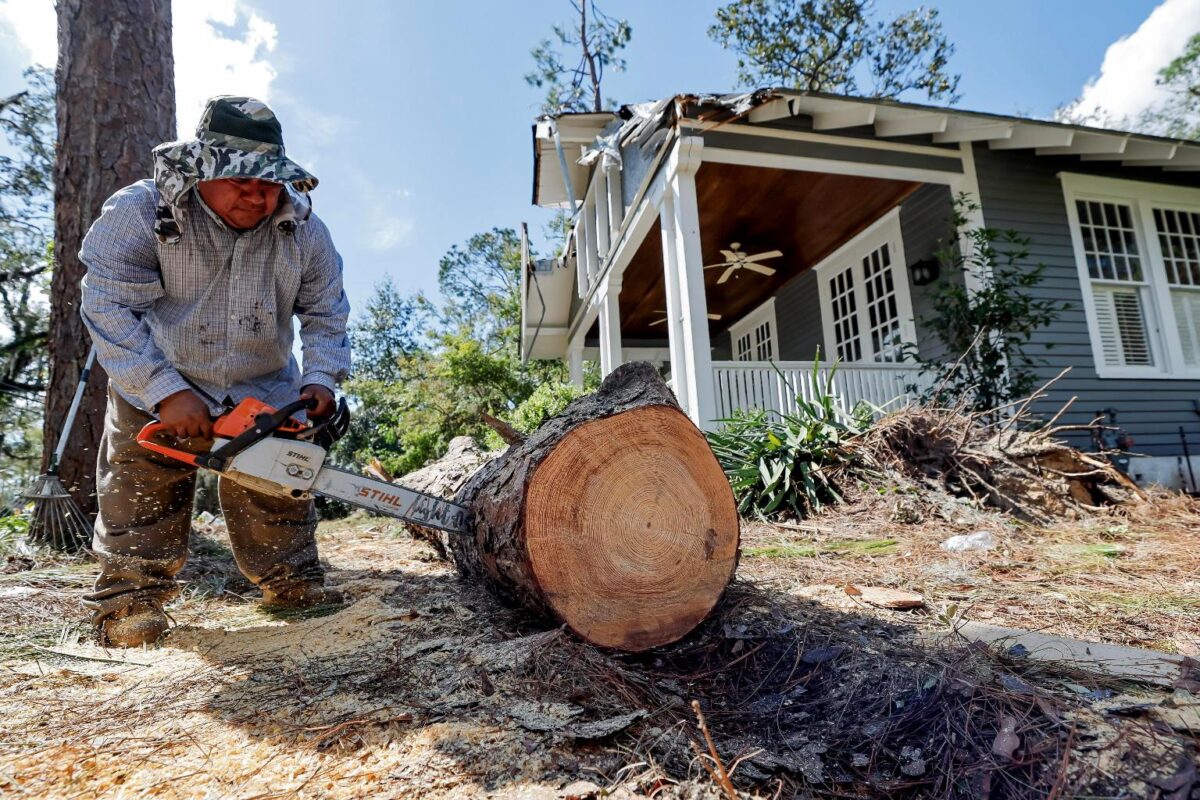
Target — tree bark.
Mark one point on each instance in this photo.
(445, 478)
(116, 101)
(614, 517)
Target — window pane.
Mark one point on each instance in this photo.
(1179, 238)
(884, 320)
(845, 318)
(1109, 241)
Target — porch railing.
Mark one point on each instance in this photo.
(748, 385)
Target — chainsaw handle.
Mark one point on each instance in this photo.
(146, 436)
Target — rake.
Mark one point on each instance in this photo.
(56, 520)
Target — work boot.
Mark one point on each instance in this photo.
(304, 594)
(141, 622)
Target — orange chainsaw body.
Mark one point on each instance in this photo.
(241, 418)
(229, 425)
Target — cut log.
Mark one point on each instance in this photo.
(445, 478)
(614, 517)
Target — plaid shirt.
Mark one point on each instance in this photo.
(215, 307)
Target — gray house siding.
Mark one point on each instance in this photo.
(798, 315)
(926, 228)
(1023, 192)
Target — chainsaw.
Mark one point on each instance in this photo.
(270, 451)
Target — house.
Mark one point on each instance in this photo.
(734, 239)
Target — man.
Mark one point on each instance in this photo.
(192, 283)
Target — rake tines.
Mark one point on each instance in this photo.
(56, 521)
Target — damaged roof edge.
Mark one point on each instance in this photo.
(642, 119)
(740, 103)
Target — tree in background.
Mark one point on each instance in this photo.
(424, 372)
(116, 101)
(1178, 116)
(986, 334)
(599, 39)
(26, 190)
(837, 46)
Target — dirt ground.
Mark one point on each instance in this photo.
(426, 686)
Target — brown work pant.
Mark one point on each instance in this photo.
(141, 536)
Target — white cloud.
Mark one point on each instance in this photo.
(388, 232)
(210, 60)
(221, 47)
(1126, 85)
(33, 27)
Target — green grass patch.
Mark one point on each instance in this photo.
(867, 547)
(288, 614)
(29, 642)
(1162, 602)
(64, 575)
(1096, 550)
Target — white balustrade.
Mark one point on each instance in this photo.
(597, 225)
(749, 385)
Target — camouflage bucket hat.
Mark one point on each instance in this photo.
(238, 137)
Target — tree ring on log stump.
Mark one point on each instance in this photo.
(631, 528)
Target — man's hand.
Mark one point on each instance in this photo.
(186, 415)
(325, 403)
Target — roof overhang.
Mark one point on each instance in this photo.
(545, 309)
(894, 119)
(830, 113)
(576, 132)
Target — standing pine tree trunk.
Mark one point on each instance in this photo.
(116, 100)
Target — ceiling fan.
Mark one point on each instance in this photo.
(713, 317)
(736, 259)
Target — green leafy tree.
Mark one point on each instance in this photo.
(986, 334)
(1179, 116)
(424, 371)
(594, 41)
(26, 225)
(837, 46)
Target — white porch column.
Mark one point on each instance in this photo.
(688, 264)
(616, 204)
(575, 363)
(679, 362)
(610, 327)
(968, 184)
(603, 231)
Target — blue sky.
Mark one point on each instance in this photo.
(416, 117)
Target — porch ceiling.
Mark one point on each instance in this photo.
(807, 215)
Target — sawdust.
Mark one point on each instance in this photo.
(424, 686)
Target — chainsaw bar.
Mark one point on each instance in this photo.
(391, 500)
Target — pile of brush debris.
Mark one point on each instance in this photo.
(1006, 462)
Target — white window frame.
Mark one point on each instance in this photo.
(747, 324)
(1160, 320)
(885, 230)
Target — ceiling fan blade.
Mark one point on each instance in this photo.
(760, 268)
(730, 255)
(725, 275)
(719, 266)
(765, 256)
(658, 322)
(713, 317)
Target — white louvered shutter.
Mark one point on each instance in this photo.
(1121, 323)
(1179, 241)
(1187, 322)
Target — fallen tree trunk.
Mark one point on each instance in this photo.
(614, 517)
(445, 478)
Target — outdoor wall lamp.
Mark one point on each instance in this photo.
(924, 272)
